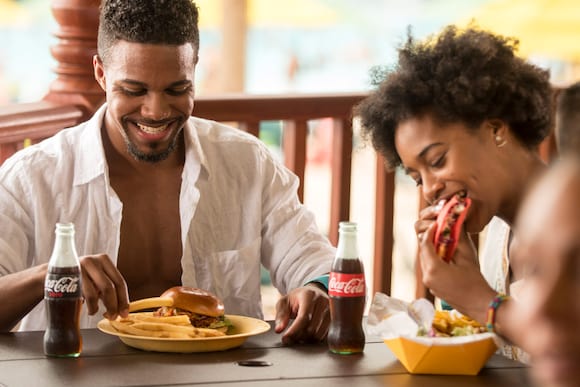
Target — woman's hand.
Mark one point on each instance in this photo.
(427, 217)
(458, 282)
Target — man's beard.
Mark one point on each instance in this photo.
(150, 157)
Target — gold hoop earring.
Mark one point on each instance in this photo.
(499, 141)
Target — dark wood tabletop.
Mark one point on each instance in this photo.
(106, 361)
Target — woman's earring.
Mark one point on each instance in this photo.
(499, 141)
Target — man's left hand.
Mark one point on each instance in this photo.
(309, 308)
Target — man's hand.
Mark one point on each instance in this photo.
(102, 280)
(309, 308)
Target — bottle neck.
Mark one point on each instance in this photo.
(64, 253)
(347, 245)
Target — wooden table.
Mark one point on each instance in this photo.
(106, 361)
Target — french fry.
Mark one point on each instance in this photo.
(128, 328)
(206, 332)
(165, 327)
(175, 320)
(150, 303)
(447, 323)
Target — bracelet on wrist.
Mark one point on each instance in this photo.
(492, 310)
(322, 280)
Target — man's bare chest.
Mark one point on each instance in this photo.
(150, 240)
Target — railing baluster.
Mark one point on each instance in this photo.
(7, 150)
(294, 148)
(384, 211)
(341, 175)
(252, 127)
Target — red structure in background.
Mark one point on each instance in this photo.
(75, 84)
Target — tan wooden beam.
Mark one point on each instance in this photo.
(234, 29)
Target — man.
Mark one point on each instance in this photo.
(548, 248)
(164, 198)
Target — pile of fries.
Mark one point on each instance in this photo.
(452, 323)
(147, 325)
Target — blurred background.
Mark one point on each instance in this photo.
(306, 45)
(314, 46)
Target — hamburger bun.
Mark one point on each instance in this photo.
(195, 300)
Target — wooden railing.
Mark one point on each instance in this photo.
(32, 122)
(295, 111)
(35, 121)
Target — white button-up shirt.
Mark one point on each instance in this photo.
(238, 208)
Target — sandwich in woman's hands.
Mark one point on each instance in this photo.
(449, 222)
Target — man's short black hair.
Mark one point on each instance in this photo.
(171, 22)
(466, 76)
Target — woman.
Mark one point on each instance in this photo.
(460, 113)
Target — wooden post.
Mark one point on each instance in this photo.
(294, 148)
(233, 63)
(341, 166)
(75, 84)
(384, 239)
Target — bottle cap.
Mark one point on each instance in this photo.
(65, 228)
(347, 226)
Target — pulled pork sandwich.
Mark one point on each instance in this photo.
(449, 222)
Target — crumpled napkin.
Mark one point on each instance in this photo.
(390, 317)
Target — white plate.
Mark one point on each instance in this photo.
(243, 327)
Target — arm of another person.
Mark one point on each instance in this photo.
(295, 252)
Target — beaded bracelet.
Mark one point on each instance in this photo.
(492, 310)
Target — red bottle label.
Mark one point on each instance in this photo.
(346, 285)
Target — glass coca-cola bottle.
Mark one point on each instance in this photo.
(63, 297)
(347, 292)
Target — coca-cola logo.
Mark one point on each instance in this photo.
(62, 286)
(346, 285)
